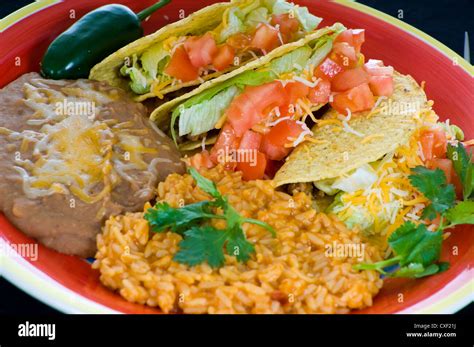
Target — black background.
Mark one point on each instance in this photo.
(445, 20)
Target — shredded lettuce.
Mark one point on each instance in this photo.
(320, 51)
(235, 24)
(358, 215)
(241, 19)
(308, 21)
(259, 15)
(154, 59)
(360, 179)
(146, 68)
(202, 117)
(139, 80)
(295, 60)
(247, 78)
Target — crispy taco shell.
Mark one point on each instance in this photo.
(197, 23)
(339, 151)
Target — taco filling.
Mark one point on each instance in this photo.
(267, 111)
(248, 30)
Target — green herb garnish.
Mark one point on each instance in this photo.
(201, 241)
(417, 249)
(462, 164)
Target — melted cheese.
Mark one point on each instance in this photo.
(74, 152)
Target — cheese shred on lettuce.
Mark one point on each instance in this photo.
(382, 206)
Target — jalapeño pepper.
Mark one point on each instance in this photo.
(92, 38)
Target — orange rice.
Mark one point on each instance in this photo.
(292, 273)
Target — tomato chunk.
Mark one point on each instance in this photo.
(381, 85)
(427, 142)
(239, 41)
(376, 68)
(295, 90)
(201, 50)
(288, 26)
(265, 38)
(328, 69)
(320, 93)
(250, 140)
(223, 58)
(344, 54)
(354, 37)
(180, 66)
(254, 169)
(349, 79)
(253, 105)
(357, 99)
(201, 160)
(433, 144)
(224, 149)
(273, 142)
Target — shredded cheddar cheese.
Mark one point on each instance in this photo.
(370, 138)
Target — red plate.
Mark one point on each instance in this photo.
(69, 284)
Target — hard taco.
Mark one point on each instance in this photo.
(361, 169)
(212, 41)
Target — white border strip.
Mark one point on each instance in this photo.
(444, 298)
(25, 276)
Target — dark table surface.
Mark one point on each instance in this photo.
(445, 20)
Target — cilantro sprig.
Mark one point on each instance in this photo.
(201, 241)
(464, 168)
(416, 249)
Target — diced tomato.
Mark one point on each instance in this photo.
(252, 163)
(349, 79)
(320, 93)
(344, 54)
(180, 66)
(444, 164)
(201, 160)
(295, 90)
(223, 58)
(381, 85)
(354, 37)
(265, 38)
(273, 143)
(427, 142)
(357, 99)
(225, 147)
(433, 144)
(253, 170)
(328, 69)
(239, 41)
(344, 49)
(241, 114)
(250, 140)
(288, 26)
(376, 68)
(201, 50)
(440, 144)
(251, 107)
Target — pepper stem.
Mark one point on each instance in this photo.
(148, 11)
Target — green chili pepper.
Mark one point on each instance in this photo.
(92, 38)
